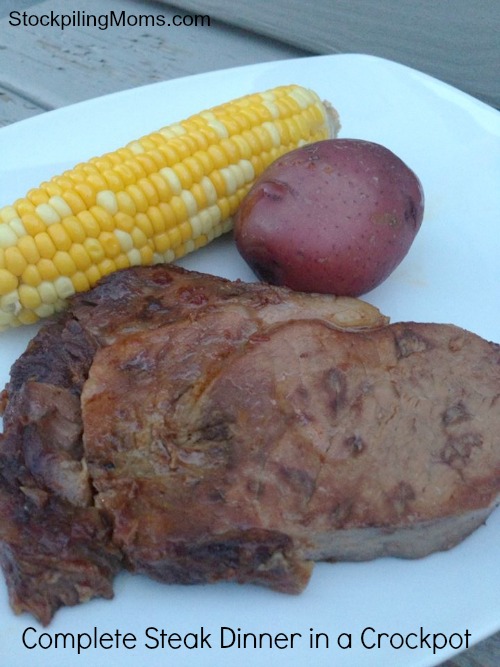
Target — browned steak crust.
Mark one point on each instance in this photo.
(197, 429)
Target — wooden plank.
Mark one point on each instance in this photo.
(51, 67)
(456, 41)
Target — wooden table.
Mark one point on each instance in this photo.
(43, 68)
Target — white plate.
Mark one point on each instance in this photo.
(452, 274)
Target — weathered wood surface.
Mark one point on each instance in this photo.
(456, 41)
(44, 68)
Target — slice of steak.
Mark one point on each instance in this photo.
(198, 429)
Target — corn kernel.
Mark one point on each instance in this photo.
(46, 269)
(147, 255)
(169, 156)
(59, 205)
(110, 244)
(64, 287)
(200, 196)
(93, 274)
(48, 214)
(80, 256)
(9, 302)
(29, 297)
(171, 179)
(174, 237)
(126, 174)
(134, 257)
(47, 292)
(74, 201)
(168, 215)
(31, 276)
(147, 162)
(89, 224)
(8, 237)
(59, 236)
(86, 192)
(162, 242)
(124, 239)
(179, 209)
(140, 200)
(122, 261)
(126, 203)
(94, 249)
(7, 213)
(27, 317)
(33, 224)
(15, 261)
(74, 229)
(103, 218)
(218, 183)
(107, 200)
(139, 239)
(8, 282)
(37, 196)
(185, 230)
(218, 156)
(189, 202)
(156, 220)
(184, 175)
(144, 223)
(80, 281)
(44, 310)
(124, 222)
(113, 180)
(181, 147)
(64, 263)
(106, 266)
(45, 245)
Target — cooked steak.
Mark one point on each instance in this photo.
(197, 429)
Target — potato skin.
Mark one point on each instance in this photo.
(337, 216)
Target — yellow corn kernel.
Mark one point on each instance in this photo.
(93, 274)
(32, 224)
(162, 242)
(80, 282)
(31, 276)
(27, 316)
(126, 203)
(74, 229)
(74, 201)
(59, 236)
(64, 263)
(14, 261)
(47, 269)
(103, 218)
(94, 250)
(89, 224)
(80, 256)
(106, 266)
(37, 196)
(8, 282)
(45, 245)
(110, 244)
(29, 297)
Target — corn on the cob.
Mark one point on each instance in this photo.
(154, 200)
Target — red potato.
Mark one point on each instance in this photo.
(337, 216)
